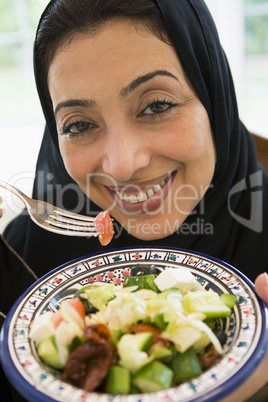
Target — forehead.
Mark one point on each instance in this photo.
(118, 51)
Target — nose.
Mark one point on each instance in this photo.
(125, 154)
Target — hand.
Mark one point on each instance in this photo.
(261, 286)
(259, 378)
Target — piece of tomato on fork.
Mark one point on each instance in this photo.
(104, 226)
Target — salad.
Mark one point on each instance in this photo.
(157, 331)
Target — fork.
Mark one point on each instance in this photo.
(55, 219)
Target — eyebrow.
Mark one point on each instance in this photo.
(124, 91)
(74, 102)
(144, 78)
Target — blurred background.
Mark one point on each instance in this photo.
(243, 29)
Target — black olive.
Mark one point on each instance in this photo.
(141, 269)
(222, 337)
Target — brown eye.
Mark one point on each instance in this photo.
(156, 108)
(78, 128)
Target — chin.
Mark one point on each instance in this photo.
(151, 230)
(147, 236)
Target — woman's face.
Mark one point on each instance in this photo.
(132, 132)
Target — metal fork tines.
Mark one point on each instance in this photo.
(72, 223)
(55, 219)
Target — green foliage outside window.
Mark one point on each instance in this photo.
(256, 27)
(9, 24)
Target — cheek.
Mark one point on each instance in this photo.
(77, 160)
(191, 139)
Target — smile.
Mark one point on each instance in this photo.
(143, 195)
(144, 198)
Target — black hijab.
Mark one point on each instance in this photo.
(232, 226)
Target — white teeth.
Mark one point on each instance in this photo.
(150, 192)
(132, 199)
(142, 196)
(158, 187)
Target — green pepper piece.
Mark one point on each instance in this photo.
(228, 299)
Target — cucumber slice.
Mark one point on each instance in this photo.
(171, 293)
(117, 380)
(158, 322)
(153, 377)
(159, 352)
(228, 299)
(142, 340)
(185, 366)
(206, 302)
(115, 335)
(48, 352)
(100, 296)
(132, 350)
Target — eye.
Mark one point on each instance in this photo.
(78, 128)
(157, 108)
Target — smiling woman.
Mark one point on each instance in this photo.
(123, 126)
(142, 121)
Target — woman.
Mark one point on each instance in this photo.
(142, 120)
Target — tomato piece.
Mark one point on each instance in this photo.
(76, 303)
(104, 225)
(57, 318)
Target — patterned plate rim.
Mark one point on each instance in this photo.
(29, 390)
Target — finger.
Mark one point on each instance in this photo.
(261, 286)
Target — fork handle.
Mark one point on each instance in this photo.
(23, 197)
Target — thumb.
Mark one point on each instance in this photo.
(261, 286)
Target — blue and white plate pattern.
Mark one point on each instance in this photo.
(246, 328)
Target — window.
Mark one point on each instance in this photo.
(22, 121)
(243, 30)
(256, 65)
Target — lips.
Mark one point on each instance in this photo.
(137, 200)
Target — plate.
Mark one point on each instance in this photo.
(246, 328)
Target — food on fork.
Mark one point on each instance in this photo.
(104, 225)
